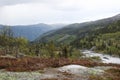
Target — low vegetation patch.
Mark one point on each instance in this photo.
(56, 79)
(32, 64)
(50, 79)
(111, 74)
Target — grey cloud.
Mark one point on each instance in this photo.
(65, 11)
(14, 2)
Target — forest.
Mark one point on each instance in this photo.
(17, 46)
(104, 40)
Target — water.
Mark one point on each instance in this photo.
(105, 58)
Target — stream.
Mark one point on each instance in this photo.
(104, 57)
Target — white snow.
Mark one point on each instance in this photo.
(104, 58)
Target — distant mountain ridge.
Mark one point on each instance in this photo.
(71, 32)
(30, 32)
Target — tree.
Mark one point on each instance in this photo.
(65, 52)
(6, 31)
(51, 48)
(37, 50)
(6, 36)
(20, 45)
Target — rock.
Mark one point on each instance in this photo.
(20, 55)
(77, 69)
(105, 58)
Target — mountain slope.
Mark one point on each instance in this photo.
(106, 40)
(77, 30)
(30, 32)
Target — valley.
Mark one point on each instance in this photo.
(78, 51)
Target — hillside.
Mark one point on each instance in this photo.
(31, 32)
(74, 31)
(106, 40)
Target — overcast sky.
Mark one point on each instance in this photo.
(23, 12)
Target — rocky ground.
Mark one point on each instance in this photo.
(29, 68)
(69, 72)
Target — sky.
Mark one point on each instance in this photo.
(26, 12)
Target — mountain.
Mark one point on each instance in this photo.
(55, 26)
(58, 25)
(74, 31)
(30, 32)
(105, 40)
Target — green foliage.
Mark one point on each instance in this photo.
(76, 54)
(78, 30)
(51, 48)
(105, 39)
(6, 31)
(12, 45)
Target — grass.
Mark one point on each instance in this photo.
(114, 73)
(56, 79)
(111, 74)
(50, 79)
(32, 64)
